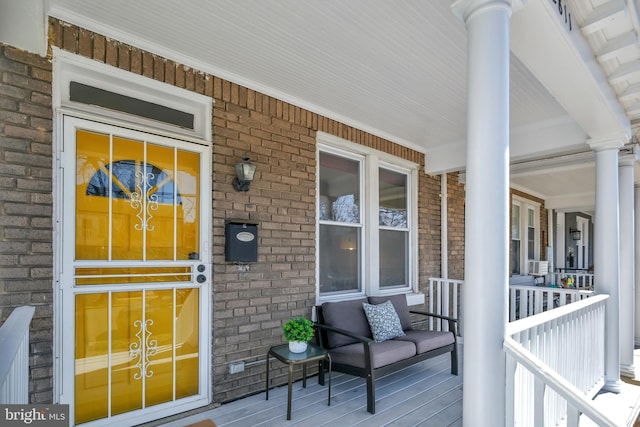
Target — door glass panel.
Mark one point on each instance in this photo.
(188, 224)
(187, 326)
(158, 347)
(135, 200)
(92, 357)
(92, 213)
(126, 322)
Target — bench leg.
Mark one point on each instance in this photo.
(371, 394)
(454, 360)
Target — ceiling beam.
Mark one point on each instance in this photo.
(617, 46)
(602, 15)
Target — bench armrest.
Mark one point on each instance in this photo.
(426, 313)
(451, 320)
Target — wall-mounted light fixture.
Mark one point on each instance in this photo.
(347, 244)
(575, 234)
(244, 174)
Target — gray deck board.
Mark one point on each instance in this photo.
(408, 397)
(425, 394)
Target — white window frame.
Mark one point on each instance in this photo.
(371, 161)
(526, 204)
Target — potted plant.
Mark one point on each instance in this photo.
(298, 331)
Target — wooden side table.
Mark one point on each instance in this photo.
(312, 354)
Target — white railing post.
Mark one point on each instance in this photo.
(14, 357)
(445, 298)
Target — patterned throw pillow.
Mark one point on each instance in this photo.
(383, 321)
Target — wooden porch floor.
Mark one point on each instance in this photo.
(425, 394)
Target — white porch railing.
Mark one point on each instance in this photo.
(582, 281)
(14, 357)
(525, 300)
(555, 365)
(445, 298)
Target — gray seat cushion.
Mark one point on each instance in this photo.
(399, 302)
(347, 315)
(427, 340)
(384, 353)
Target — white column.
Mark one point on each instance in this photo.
(637, 262)
(487, 210)
(627, 259)
(606, 251)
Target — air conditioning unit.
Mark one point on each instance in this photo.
(539, 268)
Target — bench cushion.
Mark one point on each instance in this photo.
(347, 315)
(383, 353)
(427, 340)
(399, 302)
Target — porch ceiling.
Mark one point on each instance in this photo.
(400, 71)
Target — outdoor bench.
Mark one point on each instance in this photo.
(344, 330)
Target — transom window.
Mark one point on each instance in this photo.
(365, 222)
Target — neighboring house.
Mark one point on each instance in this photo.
(116, 185)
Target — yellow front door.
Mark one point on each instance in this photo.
(135, 276)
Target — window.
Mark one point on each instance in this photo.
(531, 234)
(515, 239)
(367, 236)
(525, 240)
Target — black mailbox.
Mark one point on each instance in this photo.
(241, 241)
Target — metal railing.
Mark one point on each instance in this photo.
(14, 356)
(555, 365)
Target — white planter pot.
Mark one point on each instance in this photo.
(297, 346)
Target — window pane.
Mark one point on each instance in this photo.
(393, 199)
(339, 259)
(515, 257)
(515, 222)
(394, 258)
(531, 243)
(339, 189)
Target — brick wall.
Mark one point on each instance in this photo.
(250, 306)
(26, 257)
(455, 211)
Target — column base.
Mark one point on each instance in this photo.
(613, 386)
(628, 371)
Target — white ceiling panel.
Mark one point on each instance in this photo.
(395, 69)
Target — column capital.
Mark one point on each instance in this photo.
(463, 9)
(609, 142)
(628, 155)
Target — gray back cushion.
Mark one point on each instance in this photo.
(399, 302)
(348, 315)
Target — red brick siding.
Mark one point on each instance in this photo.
(249, 307)
(26, 257)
